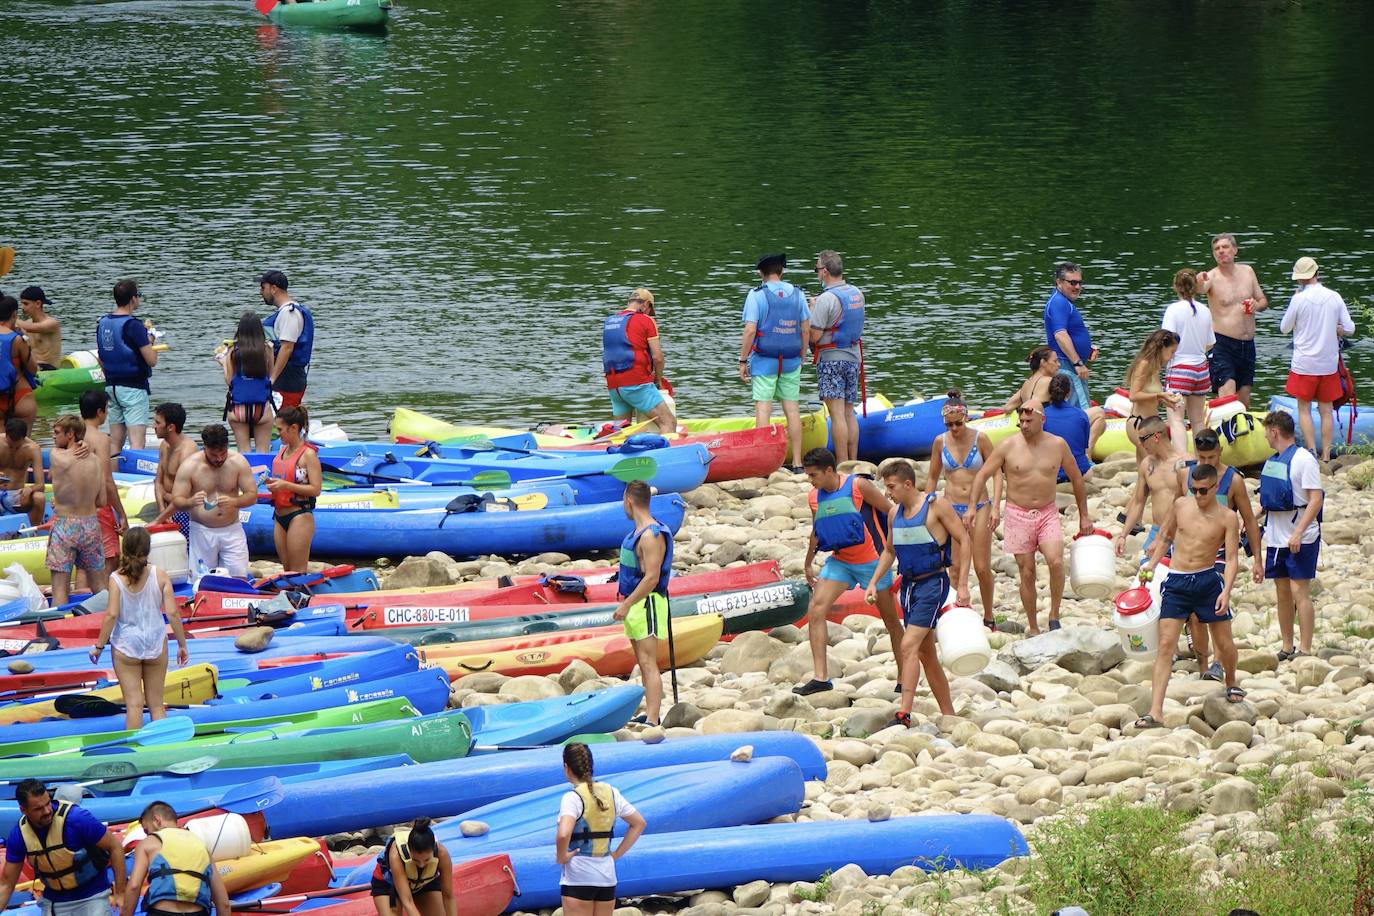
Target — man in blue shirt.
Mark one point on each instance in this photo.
(1065, 332)
(69, 850)
(777, 334)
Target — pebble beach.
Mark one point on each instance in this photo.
(1041, 736)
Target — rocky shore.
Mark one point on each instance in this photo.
(1043, 734)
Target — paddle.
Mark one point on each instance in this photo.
(87, 706)
(158, 731)
(6, 259)
(258, 905)
(258, 795)
(115, 777)
(13, 610)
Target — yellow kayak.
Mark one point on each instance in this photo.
(189, 685)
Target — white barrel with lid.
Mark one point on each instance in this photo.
(1092, 565)
(81, 359)
(1118, 402)
(1219, 410)
(962, 640)
(226, 836)
(1137, 622)
(169, 554)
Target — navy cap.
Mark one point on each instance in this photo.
(274, 277)
(35, 294)
(771, 262)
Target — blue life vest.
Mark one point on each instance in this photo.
(9, 373)
(630, 573)
(918, 555)
(300, 355)
(779, 330)
(246, 390)
(180, 870)
(838, 524)
(117, 358)
(849, 329)
(617, 354)
(1276, 482)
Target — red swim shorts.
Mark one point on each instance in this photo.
(1321, 388)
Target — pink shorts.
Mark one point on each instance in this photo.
(109, 532)
(1025, 530)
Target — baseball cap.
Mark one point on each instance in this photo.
(772, 261)
(643, 295)
(274, 277)
(35, 294)
(1304, 269)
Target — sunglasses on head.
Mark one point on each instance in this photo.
(1026, 411)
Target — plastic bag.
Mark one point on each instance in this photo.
(28, 588)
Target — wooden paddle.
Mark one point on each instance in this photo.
(158, 731)
(6, 259)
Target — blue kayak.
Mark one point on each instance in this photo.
(221, 652)
(665, 863)
(451, 787)
(551, 721)
(398, 532)
(1343, 418)
(904, 431)
(190, 793)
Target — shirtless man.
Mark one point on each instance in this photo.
(1032, 462)
(1197, 528)
(78, 491)
(113, 522)
(212, 486)
(1234, 297)
(1162, 477)
(169, 420)
(1232, 494)
(22, 487)
(44, 331)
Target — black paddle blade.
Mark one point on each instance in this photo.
(85, 706)
(115, 768)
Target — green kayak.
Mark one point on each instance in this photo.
(760, 608)
(441, 736)
(65, 386)
(333, 14)
(388, 710)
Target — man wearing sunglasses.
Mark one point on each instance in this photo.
(1197, 527)
(1065, 331)
(1032, 462)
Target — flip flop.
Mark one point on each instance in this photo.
(1234, 694)
(1055, 625)
(1148, 721)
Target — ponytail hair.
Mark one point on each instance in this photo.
(1185, 284)
(133, 556)
(577, 757)
(954, 403)
(421, 837)
(295, 416)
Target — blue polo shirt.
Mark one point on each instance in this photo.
(1071, 424)
(80, 831)
(1062, 315)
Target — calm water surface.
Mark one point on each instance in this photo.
(462, 199)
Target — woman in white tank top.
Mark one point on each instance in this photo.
(135, 627)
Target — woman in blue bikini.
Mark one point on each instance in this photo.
(957, 454)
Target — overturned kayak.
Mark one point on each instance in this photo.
(333, 14)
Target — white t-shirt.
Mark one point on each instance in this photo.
(1193, 325)
(1305, 474)
(289, 324)
(1312, 317)
(584, 870)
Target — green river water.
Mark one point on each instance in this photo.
(462, 199)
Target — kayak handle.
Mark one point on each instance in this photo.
(514, 883)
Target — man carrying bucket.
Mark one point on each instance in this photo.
(1197, 528)
(922, 526)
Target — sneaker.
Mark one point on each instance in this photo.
(1287, 654)
(640, 719)
(813, 686)
(1213, 672)
(902, 718)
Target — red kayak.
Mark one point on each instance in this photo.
(482, 887)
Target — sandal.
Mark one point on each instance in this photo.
(1287, 654)
(1234, 694)
(1148, 721)
(991, 625)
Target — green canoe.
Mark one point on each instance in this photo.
(388, 710)
(441, 736)
(760, 608)
(65, 386)
(333, 14)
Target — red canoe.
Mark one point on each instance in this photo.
(482, 887)
(735, 454)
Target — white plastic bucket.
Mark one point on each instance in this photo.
(1118, 402)
(226, 836)
(1092, 565)
(81, 359)
(1136, 617)
(1219, 410)
(962, 640)
(170, 555)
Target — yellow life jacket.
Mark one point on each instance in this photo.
(61, 868)
(418, 878)
(591, 834)
(180, 870)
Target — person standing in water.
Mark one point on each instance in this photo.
(295, 483)
(1234, 298)
(586, 827)
(17, 368)
(182, 880)
(247, 372)
(127, 357)
(44, 331)
(646, 565)
(923, 527)
(414, 875)
(291, 331)
(777, 331)
(958, 454)
(837, 330)
(135, 627)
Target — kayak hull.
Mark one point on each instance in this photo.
(333, 14)
(543, 722)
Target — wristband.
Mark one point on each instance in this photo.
(1078, 364)
(743, 362)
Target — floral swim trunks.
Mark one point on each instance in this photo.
(75, 541)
